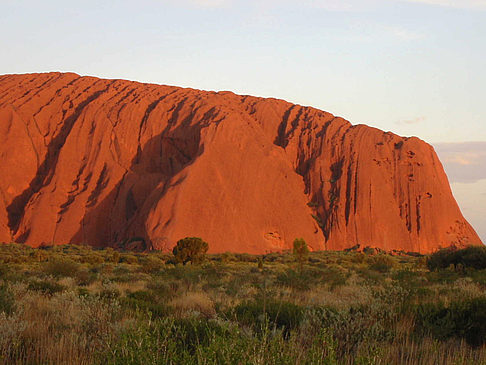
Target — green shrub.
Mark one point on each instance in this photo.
(92, 258)
(281, 314)
(109, 293)
(443, 276)
(46, 287)
(115, 257)
(382, 263)
(245, 257)
(4, 271)
(142, 295)
(355, 325)
(189, 276)
(463, 319)
(190, 249)
(196, 332)
(300, 251)
(129, 259)
(334, 276)
(371, 276)
(473, 257)
(84, 277)
(479, 276)
(154, 309)
(294, 279)
(83, 292)
(176, 341)
(227, 257)
(234, 286)
(164, 289)
(61, 267)
(150, 264)
(121, 269)
(470, 257)
(7, 301)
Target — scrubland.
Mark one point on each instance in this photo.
(80, 305)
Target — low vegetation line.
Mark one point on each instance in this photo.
(80, 305)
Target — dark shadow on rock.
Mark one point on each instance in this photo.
(45, 171)
(118, 220)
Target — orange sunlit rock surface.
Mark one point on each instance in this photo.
(87, 160)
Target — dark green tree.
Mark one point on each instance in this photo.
(190, 249)
(472, 257)
(301, 251)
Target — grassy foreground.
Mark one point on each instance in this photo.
(77, 305)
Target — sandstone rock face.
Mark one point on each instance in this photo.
(95, 161)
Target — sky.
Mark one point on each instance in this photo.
(413, 67)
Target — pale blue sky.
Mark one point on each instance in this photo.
(415, 67)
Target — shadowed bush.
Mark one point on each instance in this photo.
(46, 287)
(144, 301)
(7, 301)
(470, 257)
(62, 268)
(463, 319)
(281, 314)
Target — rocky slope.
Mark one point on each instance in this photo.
(87, 160)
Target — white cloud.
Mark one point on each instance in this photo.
(412, 121)
(201, 3)
(210, 3)
(405, 34)
(356, 5)
(461, 159)
(472, 200)
(464, 162)
(331, 5)
(466, 158)
(464, 4)
(341, 5)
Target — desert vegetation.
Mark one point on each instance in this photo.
(81, 305)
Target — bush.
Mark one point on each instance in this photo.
(281, 314)
(382, 264)
(128, 259)
(84, 277)
(92, 258)
(7, 301)
(3, 271)
(463, 319)
(355, 326)
(470, 257)
(109, 293)
(45, 287)
(300, 251)
(293, 279)
(370, 276)
(137, 302)
(142, 295)
(190, 249)
(164, 289)
(61, 267)
(176, 341)
(150, 264)
(194, 332)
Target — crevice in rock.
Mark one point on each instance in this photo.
(46, 169)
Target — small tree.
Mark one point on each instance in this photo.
(190, 249)
(301, 251)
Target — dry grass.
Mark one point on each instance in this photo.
(191, 302)
(85, 324)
